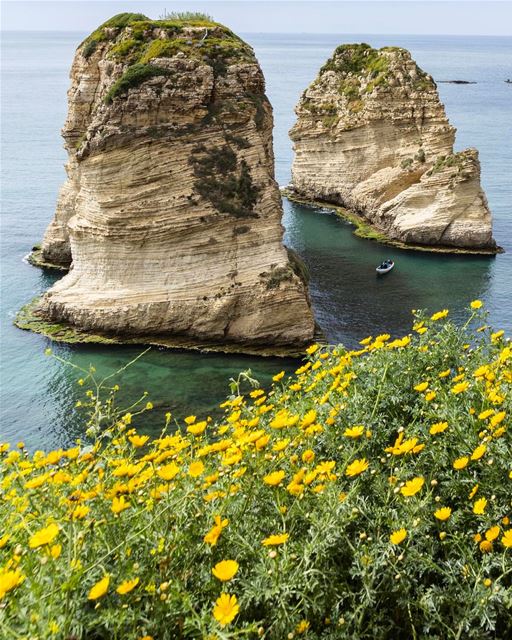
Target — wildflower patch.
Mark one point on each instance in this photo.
(344, 502)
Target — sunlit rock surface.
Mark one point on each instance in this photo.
(372, 135)
(170, 218)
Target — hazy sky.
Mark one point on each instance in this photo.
(455, 17)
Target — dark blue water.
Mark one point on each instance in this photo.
(38, 394)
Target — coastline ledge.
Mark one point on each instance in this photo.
(28, 320)
(368, 231)
(35, 258)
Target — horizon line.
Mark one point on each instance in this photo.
(306, 33)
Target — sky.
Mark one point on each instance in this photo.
(439, 17)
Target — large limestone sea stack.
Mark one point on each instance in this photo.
(372, 136)
(170, 219)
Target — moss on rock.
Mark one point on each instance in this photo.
(133, 77)
(35, 258)
(29, 319)
(103, 32)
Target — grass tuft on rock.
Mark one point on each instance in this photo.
(187, 16)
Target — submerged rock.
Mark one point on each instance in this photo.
(170, 219)
(372, 135)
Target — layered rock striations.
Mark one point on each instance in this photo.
(372, 136)
(170, 218)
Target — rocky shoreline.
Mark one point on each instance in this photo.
(29, 318)
(363, 228)
(36, 259)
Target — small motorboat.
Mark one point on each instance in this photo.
(385, 266)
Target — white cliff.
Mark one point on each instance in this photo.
(372, 136)
(170, 219)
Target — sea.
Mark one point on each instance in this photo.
(39, 392)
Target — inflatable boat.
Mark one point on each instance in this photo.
(385, 266)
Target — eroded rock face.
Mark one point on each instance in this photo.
(373, 136)
(171, 217)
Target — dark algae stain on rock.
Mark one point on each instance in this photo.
(224, 181)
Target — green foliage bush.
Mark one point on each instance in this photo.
(133, 77)
(455, 160)
(420, 155)
(276, 276)
(89, 48)
(366, 497)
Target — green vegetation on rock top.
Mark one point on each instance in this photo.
(362, 68)
(356, 59)
(134, 39)
(122, 20)
(119, 21)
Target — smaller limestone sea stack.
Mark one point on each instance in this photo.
(170, 219)
(372, 136)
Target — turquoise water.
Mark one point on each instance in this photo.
(38, 394)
